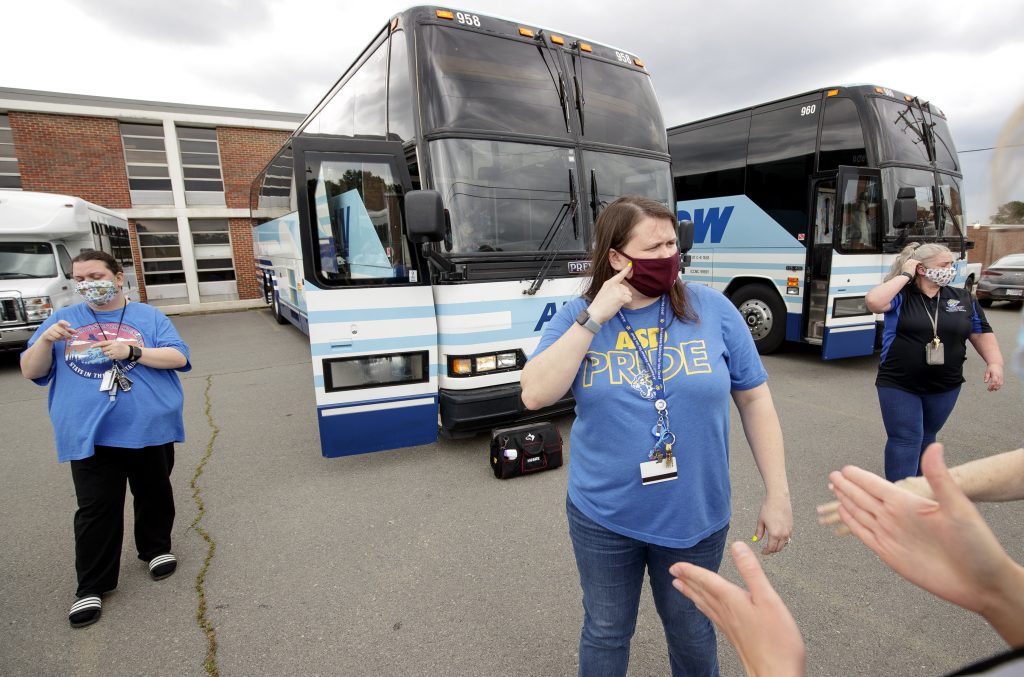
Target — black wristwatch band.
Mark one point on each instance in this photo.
(910, 278)
(136, 353)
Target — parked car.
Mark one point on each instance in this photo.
(1002, 281)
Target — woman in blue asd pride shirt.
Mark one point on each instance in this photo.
(653, 364)
(112, 436)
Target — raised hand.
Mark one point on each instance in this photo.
(614, 294)
(58, 331)
(756, 620)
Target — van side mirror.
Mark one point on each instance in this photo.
(424, 216)
(684, 241)
(904, 212)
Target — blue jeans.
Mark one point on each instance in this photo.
(911, 421)
(611, 568)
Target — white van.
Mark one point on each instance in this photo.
(39, 235)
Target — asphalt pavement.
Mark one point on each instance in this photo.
(418, 561)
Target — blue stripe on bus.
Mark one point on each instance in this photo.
(396, 343)
(366, 431)
(793, 327)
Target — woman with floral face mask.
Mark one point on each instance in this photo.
(116, 407)
(653, 364)
(924, 345)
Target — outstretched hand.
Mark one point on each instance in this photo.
(756, 620)
(941, 545)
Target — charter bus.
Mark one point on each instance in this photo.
(434, 210)
(801, 204)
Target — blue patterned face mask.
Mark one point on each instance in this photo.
(97, 292)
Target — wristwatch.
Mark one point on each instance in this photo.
(909, 277)
(587, 322)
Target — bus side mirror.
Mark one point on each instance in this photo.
(684, 238)
(684, 241)
(424, 216)
(904, 212)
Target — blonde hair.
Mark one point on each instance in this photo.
(916, 250)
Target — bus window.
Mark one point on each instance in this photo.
(358, 107)
(478, 82)
(780, 158)
(923, 183)
(359, 228)
(861, 215)
(504, 197)
(710, 161)
(400, 112)
(619, 105)
(842, 137)
(609, 177)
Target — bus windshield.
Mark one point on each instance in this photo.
(504, 197)
(949, 207)
(609, 176)
(618, 105)
(478, 81)
(904, 137)
(26, 260)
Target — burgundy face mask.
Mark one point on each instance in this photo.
(654, 277)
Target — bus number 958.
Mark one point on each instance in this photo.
(468, 19)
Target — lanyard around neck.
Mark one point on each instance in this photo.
(657, 376)
(933, 320)
(99, 324)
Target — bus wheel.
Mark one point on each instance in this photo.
(765, 315)
(276, 307)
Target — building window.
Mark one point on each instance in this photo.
(10, 177)
(211, 243)
(200, 163)
(146, 160)
(161, 259)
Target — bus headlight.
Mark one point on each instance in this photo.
(485, 363)
(37, 308)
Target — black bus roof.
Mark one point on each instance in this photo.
(858, 90)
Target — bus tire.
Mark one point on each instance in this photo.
(276, 309)
(764, 313)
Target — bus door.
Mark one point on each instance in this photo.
(372, 325)
(819, 259)
(855, 264)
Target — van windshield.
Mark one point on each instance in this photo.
(27, 260)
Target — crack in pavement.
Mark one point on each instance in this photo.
(210, 664)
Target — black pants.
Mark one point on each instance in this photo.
(99, 520)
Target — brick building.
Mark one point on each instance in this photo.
(994, 241)
(180, 173)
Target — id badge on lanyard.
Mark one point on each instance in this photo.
(660, 465)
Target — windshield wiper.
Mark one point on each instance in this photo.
(556, 234)
(556, 77)
(596, 203)
(921, 128)
(578, 83)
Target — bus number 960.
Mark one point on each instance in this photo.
(808, 110)
(467, 19)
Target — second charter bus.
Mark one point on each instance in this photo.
(801, 204)
(435, 209)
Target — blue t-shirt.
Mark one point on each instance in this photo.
(82, 415)
(612, 434)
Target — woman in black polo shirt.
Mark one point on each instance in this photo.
(924, 345)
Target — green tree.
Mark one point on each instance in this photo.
(1010, 212)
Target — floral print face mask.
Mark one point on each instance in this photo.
(97, 292)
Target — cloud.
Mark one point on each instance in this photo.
(188, 22)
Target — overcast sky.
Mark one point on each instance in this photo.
(704, 57)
